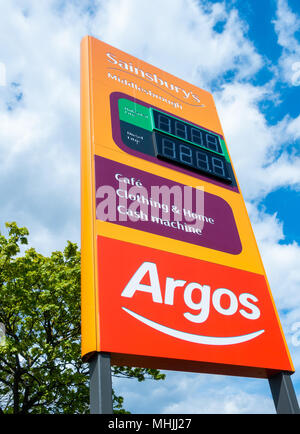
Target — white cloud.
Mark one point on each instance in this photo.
(181, 37)
(280, 260)
(287, 24)
(206, 394)
(226, 400)
(39, 136)
(264, 164)
(192, 393)
(259, 151)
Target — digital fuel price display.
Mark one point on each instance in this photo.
(174, 140)
(188, 155)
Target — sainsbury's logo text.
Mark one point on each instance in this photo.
(153, 78)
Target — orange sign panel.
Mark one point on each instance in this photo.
(171, 274)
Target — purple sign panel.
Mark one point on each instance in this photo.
(130, 197)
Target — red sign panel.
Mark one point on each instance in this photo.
(157, 304)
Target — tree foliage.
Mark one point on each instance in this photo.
(41, 369)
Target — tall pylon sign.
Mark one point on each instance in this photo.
(171, 274)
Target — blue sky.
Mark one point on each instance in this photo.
(247, 53)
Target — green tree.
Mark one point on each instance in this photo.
(40, 365)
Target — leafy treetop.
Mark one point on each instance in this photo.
(41, 369)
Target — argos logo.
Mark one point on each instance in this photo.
(222, 300)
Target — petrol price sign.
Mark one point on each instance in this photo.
(171, 274)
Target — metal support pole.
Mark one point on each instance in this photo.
(283, 393)
(100, 384)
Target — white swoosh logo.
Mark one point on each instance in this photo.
(197, 339)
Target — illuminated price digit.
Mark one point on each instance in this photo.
(181, 130)
(212, 142)
(164, 123)
(196, 136)
(186, 155)
(202, 161)
(168, 149)
(218, 166)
